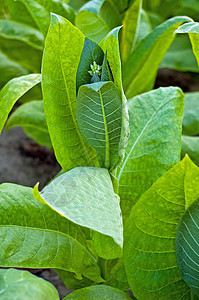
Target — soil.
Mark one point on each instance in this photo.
(24, 162)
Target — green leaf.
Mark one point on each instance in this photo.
(147, 56)
(96, 18)
(130, 28)
(180, 56)
(193, 30)
(99, 117)
(59, 94)
(190, 125)
(34, 236)
(30, 116)
(155, 142)
(16, 284)
(110, 46)
(98, 292)
(190, 146)
(91, 52)
(71, 281)
(118, 278)
(86, 197)
(187, 246)
(14, 90)
(9, 69)
(149, 237)
(40, 11)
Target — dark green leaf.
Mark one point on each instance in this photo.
(149, 237)
(155, 142)
(60, 63)
(190, 125)
(190, 146)
(16, 284)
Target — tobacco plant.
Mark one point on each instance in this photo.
(124, 212)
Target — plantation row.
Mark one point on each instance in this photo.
(123, 213)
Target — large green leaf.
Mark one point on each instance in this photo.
(14, 90)
(187, 247)
(149, 237)
(40, 11)
(86, 197)
(98, 292)
(30, 116)
(99, 116)
(9, 69)
(180, 56)
(190, 146)
(141, 66)
(91, 52)
(155, 142)
(64, 45)
(130, 28)
(96, 18)
(190, 125)
(34, 236)
(18, 285)
(193, 30)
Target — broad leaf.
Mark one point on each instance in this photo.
(30, 116)
(91, 52)
(193, 30)
(149, 253)
(180, 56)
(99, 117)
(147, 56)
(14, 90)
(130, 28)
(187, 247)
(64, 45)
(190, 146)
(34, 236)
(86, 197)
(155, 142)
(40, 11)
(96, 18)
(98, 292)
(117, 277)
(190, 125)
(16, 284)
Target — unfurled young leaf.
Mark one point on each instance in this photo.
(35, 236)
(86, 197)
(141, 66)
(154, 145)
(99, 117)
(16, 284)
(98, 292)
(149, 237)
(30, 116)
(61, 58)
(14, 90)
(187, 247)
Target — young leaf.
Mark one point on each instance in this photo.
(190, 146)
(187, 246)
(193, 30)
(155, 142)
(118, 278)
(30, 116)
(86, 197)
(91, 52)
(98, 292)
(99, 117)
(147, 56)
(130, 28)
(34, 236)
(60, 63)
(149, 253)
(14, 90)
(190, 125)
(96, 18)
(25, 286)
